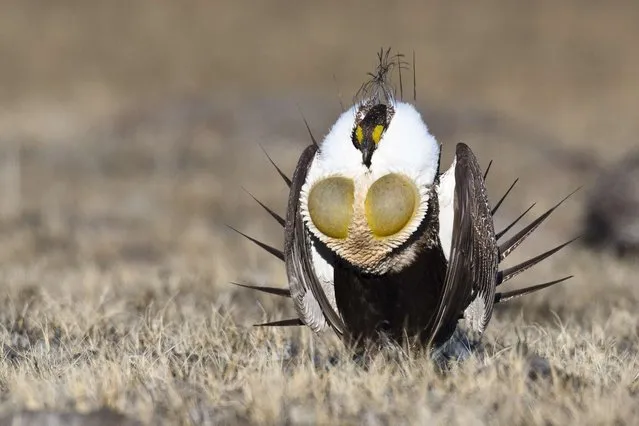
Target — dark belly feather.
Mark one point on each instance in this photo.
(399, 305)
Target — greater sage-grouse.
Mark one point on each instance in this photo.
(380, 246)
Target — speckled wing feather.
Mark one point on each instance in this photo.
(469, 287)
(311, 301)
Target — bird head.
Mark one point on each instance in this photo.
(370, 124)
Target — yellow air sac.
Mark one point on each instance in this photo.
(390, 204)
(330, 205)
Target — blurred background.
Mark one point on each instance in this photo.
(128, 129)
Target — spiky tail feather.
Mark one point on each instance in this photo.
(291, 322)
(284, 292)
(270, 211)
(508, 295)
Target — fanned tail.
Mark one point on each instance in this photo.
(282, 292)
(507, 247)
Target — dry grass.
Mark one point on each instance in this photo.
(116, 182)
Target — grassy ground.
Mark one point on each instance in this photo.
(128, 131)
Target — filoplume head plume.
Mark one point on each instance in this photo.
(379, 89)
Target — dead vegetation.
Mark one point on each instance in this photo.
(115, 189)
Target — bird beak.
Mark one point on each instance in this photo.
(367, 148)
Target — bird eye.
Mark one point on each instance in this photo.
(330, 205)
(390, 204)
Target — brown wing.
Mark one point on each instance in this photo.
(311, 301)
(469, 287)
